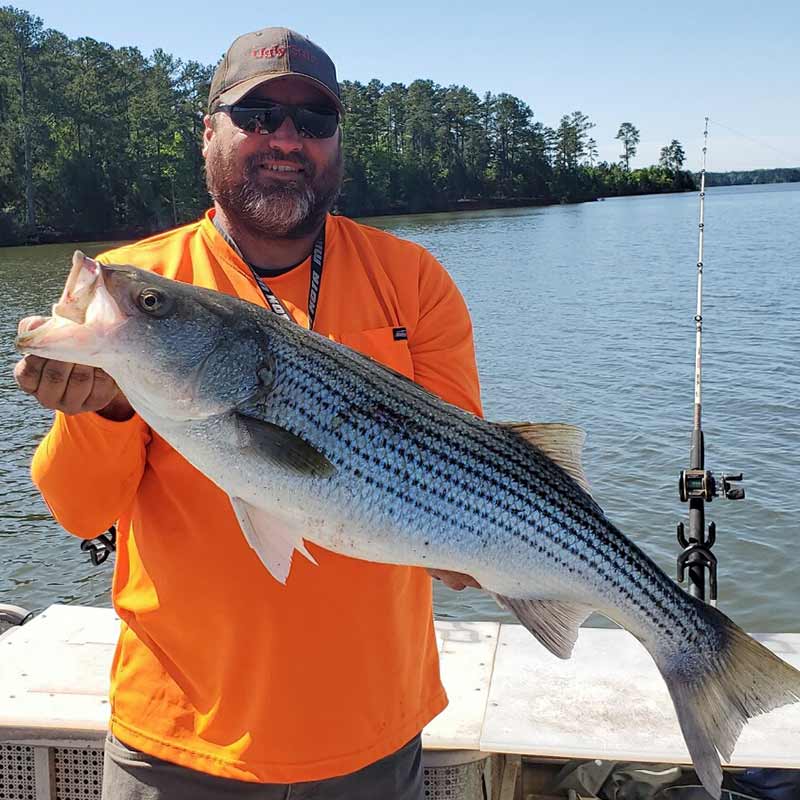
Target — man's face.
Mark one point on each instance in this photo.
(278, 185)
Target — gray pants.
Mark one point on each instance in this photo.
(132, 775)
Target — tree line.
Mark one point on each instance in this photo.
(753, 176)
(97, 141)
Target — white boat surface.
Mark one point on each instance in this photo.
(507, 693)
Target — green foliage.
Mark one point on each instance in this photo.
(111, 137)
(672, 156)
(752, 177)
(97, 141)
(613, 180)
(23, 44)
(426, 147)
(628, 134)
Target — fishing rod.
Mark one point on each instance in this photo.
(697, 485)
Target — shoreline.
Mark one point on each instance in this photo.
(53, 237)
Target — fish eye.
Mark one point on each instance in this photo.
(151, 300)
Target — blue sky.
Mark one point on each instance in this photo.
(661, 66)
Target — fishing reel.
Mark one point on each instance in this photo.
(700, 483)
(695, 487)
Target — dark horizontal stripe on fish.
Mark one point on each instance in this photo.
(442, 429)
(443, 438)
(528, 521)
(633, 572)
(596, 568)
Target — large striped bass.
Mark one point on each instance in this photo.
(313, 441)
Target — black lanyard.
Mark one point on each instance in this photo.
(315, 282)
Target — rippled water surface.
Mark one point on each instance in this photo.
(582, 313)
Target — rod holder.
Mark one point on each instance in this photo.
(698, 556)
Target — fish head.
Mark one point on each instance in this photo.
(175, 350)
(84, 316)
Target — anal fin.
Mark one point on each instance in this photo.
(273, 539)
(554, 623)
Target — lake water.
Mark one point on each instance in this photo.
(584, 314)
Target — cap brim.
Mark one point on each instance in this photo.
(233, 95)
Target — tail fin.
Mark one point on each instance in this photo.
(716, 689)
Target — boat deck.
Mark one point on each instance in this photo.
(507, 693)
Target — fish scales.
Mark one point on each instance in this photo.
(456, 448)
(314, 442)
(505, 476)
(505, 472)
(504, 482)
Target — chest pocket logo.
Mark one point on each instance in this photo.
(388, 345)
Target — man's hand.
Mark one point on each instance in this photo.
(454, 580)
(70, 388)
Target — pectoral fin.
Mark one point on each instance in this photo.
(273, 539)
(283, 448)
(553, 623)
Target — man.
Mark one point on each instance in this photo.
(225, 683)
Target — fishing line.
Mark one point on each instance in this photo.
(761, 143)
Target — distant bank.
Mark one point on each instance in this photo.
(638, 183)
(753, 176)
(51, 236)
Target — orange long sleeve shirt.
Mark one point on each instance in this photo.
(218, 667)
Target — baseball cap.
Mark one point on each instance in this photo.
(261, 56)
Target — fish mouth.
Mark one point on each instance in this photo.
(85, 314)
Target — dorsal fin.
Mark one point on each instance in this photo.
(559, 441)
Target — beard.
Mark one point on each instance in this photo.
(273, 208)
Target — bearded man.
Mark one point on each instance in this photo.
(225, 683)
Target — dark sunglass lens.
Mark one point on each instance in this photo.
(266, 117)
(317, 122)
(248, 119)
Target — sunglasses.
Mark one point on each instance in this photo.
(310, 121)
